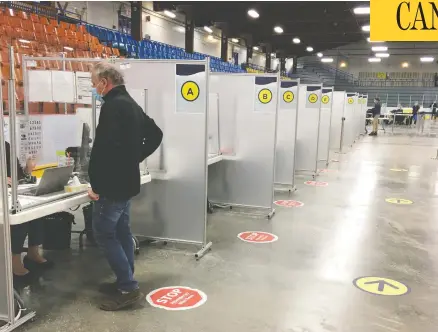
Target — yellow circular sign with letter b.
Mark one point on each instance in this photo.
(350, 100)
(313, 98)
(265, 96)
(325, 99)
(190, 91)
(288, 96)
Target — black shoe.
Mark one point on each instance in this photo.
(21, 281)
(372, 133)
(109, 288)
(33, 266)
(122, 300)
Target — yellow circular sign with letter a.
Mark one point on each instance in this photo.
(265, 96)
(350, 100)
(399, 201)
(190, 91)
(288, 96)
(381, 286)
(313, 98)
(325, 99)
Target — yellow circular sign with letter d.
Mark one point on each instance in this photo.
(325, 99)
(190, 91)
(350, 100)
(381, 286)
(288, 96)
(399, 201)
(265, 96)
(313, 98)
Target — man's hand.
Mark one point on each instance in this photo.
(93, 196)
(30, 165)
(10, 182)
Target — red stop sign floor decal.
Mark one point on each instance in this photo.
(257, 237)
(289, 203)
(176, 298)
(316, 183)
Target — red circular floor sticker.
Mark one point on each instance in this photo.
(289, 203)
(257, 237)
(176, 298)
(316, 183)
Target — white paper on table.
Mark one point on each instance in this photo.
(63, 86)
(40, 85)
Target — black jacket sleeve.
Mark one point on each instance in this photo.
(152, 137)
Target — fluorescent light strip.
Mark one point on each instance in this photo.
(374, 60)
(169, 14)
(327, 60)
(379, 48)
(309, 49)
(278, 29)
(296, 40)
(253, 13)
(427, 59)
(208, 29)
(382, 55)
(361, 10)
(234, 40)
(373, 41)
(366, 28)
(320, 55)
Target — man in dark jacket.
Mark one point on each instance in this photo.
(125, 136)
(376, 115)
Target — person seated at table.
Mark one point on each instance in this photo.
(33, 263)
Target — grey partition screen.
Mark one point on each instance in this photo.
(309, 109)
(246, 176)
(337, 126)
(286, 135)
(350, 115)
(325, 123)
(172, 206)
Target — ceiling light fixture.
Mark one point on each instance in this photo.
(169, 13)
(320, 55)
(343, 65)
(273, 55)
(379, 48)
(278, 29)
(181, 29)
(327, 60)
(405, 65)
(253, 13)
(68, 48)
(366, 28)
(255, 48)
(296, 40)
(361, 10)
(382, 55)
(427, 59)
(309, 49)
(208, 29)
(374, 60)
(234, 40)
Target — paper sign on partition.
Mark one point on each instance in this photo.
(265, 94)
(351, 98)
(326, 98)
(313, 95)
(288, 94)
(83, 87)
(190, 88)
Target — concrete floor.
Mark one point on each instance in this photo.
(301, 283)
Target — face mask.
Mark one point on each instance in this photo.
(95, 94)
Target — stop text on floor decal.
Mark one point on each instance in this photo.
(257, 237)
(289, 203)
(316, 183)
(176, 298)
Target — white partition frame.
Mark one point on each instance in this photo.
(325, 125)
(337, 130)
(286, 136)
(245, 177)
(309, 116)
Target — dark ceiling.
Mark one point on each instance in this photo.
(323, 25)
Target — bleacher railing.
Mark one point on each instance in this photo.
(39, 9)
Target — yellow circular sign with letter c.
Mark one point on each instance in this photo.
(325, 99)
(265, 96)
(190, 91)
(313, 98)
(288, 96)
(350, 100)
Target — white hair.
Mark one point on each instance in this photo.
(109, 72)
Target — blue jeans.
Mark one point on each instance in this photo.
(112, 232)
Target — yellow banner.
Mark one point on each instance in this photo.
(398, 20)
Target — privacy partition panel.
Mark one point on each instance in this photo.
(324, 126)
(309, 109)
(350, 115)
(337, 127)
(286, 135)
(172, 206)
(213, 124)
(248, 111)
